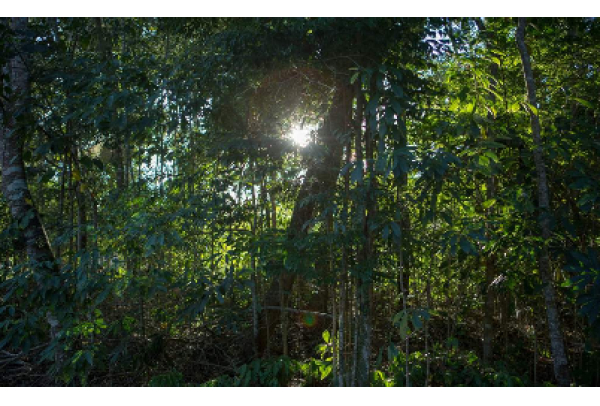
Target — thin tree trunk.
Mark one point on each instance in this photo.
(273, 211)
(284, 335)
(561, 366)
(81, 201)
(61, 202)
(505, 303)
(365, 213)
(356, 325)
(403, 292)
(490, 260)
(344, 275)
(334, 335)
(255, 319)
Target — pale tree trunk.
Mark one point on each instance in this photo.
(366, 212)
(561, 366)
(14, 182)
(254, 272)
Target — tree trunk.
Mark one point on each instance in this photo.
(344, 274)
(255, 292)
(561, 367)
(320, 177)
(366, 215)
(14, 182)
(490, 260)
(81, 201)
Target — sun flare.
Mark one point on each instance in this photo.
(300, 136)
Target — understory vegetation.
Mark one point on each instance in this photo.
(300, 202)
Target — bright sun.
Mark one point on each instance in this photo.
(300, 136)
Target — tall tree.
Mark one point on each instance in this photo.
(320, 178)
(561, 366)
(14, 180)
(490, 260)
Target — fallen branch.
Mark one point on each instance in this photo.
(287, 309)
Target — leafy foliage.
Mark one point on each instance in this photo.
(184, 219)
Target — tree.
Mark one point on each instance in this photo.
(561, 366)
(160, 201)
(14, 181)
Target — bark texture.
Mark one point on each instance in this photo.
(561, 367)
(14, 180)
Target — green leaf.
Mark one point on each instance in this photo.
(47, 176)
(531, 108)
(397, 107)
(326, 336)
(489, 203)
(467, 246)
(483, 160)
(326, 371)
(491, 144)
(372, 106)
(43, 149)
(586, 199)
(382, 129)
(398, 316)
(492, 156)
(357, 173)
(392, 352)
(386, 232)
(398, 91)
(396, 229)
(416, 321)
(583, 102)
(88, 357)
(403, 327)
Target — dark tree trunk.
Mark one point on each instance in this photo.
(561, 366)
(320, 177)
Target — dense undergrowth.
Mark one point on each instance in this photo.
(299, 201)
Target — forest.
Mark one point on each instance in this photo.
(329, 202)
